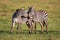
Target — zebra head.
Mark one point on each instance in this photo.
(31, 12)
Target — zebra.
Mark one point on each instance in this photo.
(39, 16)
(17, 17)
(21, 17)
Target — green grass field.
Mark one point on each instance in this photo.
(8, 7)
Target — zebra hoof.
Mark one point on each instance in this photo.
(30, 32)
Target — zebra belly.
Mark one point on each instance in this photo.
(20, 20)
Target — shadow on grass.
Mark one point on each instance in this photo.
(26, 32)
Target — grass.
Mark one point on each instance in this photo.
(8, 7)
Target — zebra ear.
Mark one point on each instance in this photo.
(29, 7)
(17, 10)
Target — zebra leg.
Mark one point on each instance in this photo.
(13, 24)
(17, 27)
(32, 26)
(29, 28)
(46, 23)
(35, 27)
(41, 26)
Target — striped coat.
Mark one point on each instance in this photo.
(40, 16)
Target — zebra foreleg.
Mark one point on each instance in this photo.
(41, 26)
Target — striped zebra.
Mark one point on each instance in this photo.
(21, 17)
(18, 17)
(39, 16)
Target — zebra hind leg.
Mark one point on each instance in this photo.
(17, 27)
(46, 26)
(12, 27)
